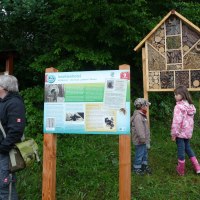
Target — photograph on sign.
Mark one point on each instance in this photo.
(88, 102)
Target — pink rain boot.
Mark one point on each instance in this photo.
(181, 167)
(195, 164)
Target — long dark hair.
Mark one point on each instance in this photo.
(183, 91)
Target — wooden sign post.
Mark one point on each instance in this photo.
(9, 64)
(124, 161)
(7, 58)
(49, 162)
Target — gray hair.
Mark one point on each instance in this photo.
(9, 83)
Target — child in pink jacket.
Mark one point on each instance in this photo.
(182, 128)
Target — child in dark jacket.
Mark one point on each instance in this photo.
(140, 136)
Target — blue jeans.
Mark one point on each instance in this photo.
(6, 178)
(141, 156)
(183, 146)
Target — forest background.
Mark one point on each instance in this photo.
(78, 35)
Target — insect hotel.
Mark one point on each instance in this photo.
(171, 56)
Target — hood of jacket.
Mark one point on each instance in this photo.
(185, 106)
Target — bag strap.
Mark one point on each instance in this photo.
(11, 153)
(2, 130)
(4, 134)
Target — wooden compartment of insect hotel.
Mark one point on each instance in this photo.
(171, 55)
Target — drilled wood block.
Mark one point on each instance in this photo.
(182, 78)
(186, 48)
(195, 78)
(167, 79)
(154, 80)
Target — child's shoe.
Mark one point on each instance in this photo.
(181, 167)
(195, 164)
(138, 171)
(146, 169)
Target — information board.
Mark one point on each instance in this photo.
(87, 102)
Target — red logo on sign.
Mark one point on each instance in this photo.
(125, 75)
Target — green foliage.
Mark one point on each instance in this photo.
(165, 183)
(91, 163)
(71, 35)
(191, 10)
(33, 99)
(81, 35)
(87, 165)
(29, 183)
(93, 35)
(162, 105)
(87, 169)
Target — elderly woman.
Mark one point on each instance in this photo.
(12, 116)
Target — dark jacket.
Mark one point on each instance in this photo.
(12, 116)
(139, 128)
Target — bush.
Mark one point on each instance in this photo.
(33, 99)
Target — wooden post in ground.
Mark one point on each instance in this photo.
(9, 64)
(124, 161)
(49, 162)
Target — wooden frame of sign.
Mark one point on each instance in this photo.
(49, 162)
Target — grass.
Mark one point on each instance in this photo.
(87, 169)
(165, 184)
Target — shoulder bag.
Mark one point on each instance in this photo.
(23, 154)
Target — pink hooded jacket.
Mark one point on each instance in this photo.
(183, 120)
